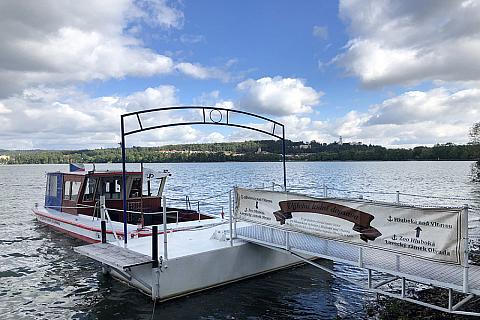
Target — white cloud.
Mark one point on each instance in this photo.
(56, 43)
(159, 13)
(200, 72)
(67, 118)
(407, 42)
(320, 32)
(192, 38)
(278, 96)
(412, 118)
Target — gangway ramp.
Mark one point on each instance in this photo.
(400, 248)
(113, 255)
(401, 267)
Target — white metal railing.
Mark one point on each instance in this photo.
(453, 277)
(104, 214)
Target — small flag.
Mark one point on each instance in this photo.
(76, 167)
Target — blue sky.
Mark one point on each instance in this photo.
(395, 73)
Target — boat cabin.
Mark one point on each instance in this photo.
(79, 193)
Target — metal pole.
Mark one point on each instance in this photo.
(398, 196)
(465, 253)
(198, 209)
(287, 240)
(273, 186)
(155, 272)
(165, 252)
(450, 299)
(284, 159)
(141, 197)
(103, 223)
(124, 184)
(234, 218)
(360, 257)
(369, 279)
(154, 246)
(230, 217)
(325, 191)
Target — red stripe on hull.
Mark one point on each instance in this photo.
(72, 234)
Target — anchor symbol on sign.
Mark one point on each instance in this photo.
(389, 219)
(394, 237)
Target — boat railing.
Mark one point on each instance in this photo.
(104, 213)
(200, 204)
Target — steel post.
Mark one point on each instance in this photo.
(287, 240)
(165, 252)
(155, 271)
(234, 218)
(450, 300)
(103, 223)
(230, 217)
(284, 160)
(465, 253)
(369, 279)
(124, 183)
(154, 246)
(360, 257)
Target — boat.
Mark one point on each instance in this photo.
(72, 204)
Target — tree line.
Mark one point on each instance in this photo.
(262, 150)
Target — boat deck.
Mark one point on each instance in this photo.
(193, 238)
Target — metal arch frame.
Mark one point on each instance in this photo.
(211, 121)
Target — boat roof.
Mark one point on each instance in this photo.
(96, 173)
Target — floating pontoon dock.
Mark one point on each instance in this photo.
(196, 259)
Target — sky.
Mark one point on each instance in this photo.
(392, 73)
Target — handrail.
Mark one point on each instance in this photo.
(383, 193)
(111, 226)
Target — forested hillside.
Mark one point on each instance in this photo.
(264, 150)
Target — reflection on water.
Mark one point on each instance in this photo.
(42, 278)
(475, 174)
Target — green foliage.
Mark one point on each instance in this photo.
(475, 133)
(264, 150)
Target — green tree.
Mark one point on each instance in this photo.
(475, 133)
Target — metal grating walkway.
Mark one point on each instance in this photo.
(410, 268)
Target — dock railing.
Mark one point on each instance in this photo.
(405, 271)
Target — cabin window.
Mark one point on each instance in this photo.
(136, 189)
(70, 190)
(75, 190)
(90, 189)
(111, 188)
(52, 186)
(67, 188)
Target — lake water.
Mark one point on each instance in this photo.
(42, 278)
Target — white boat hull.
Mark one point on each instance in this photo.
(83, 227)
